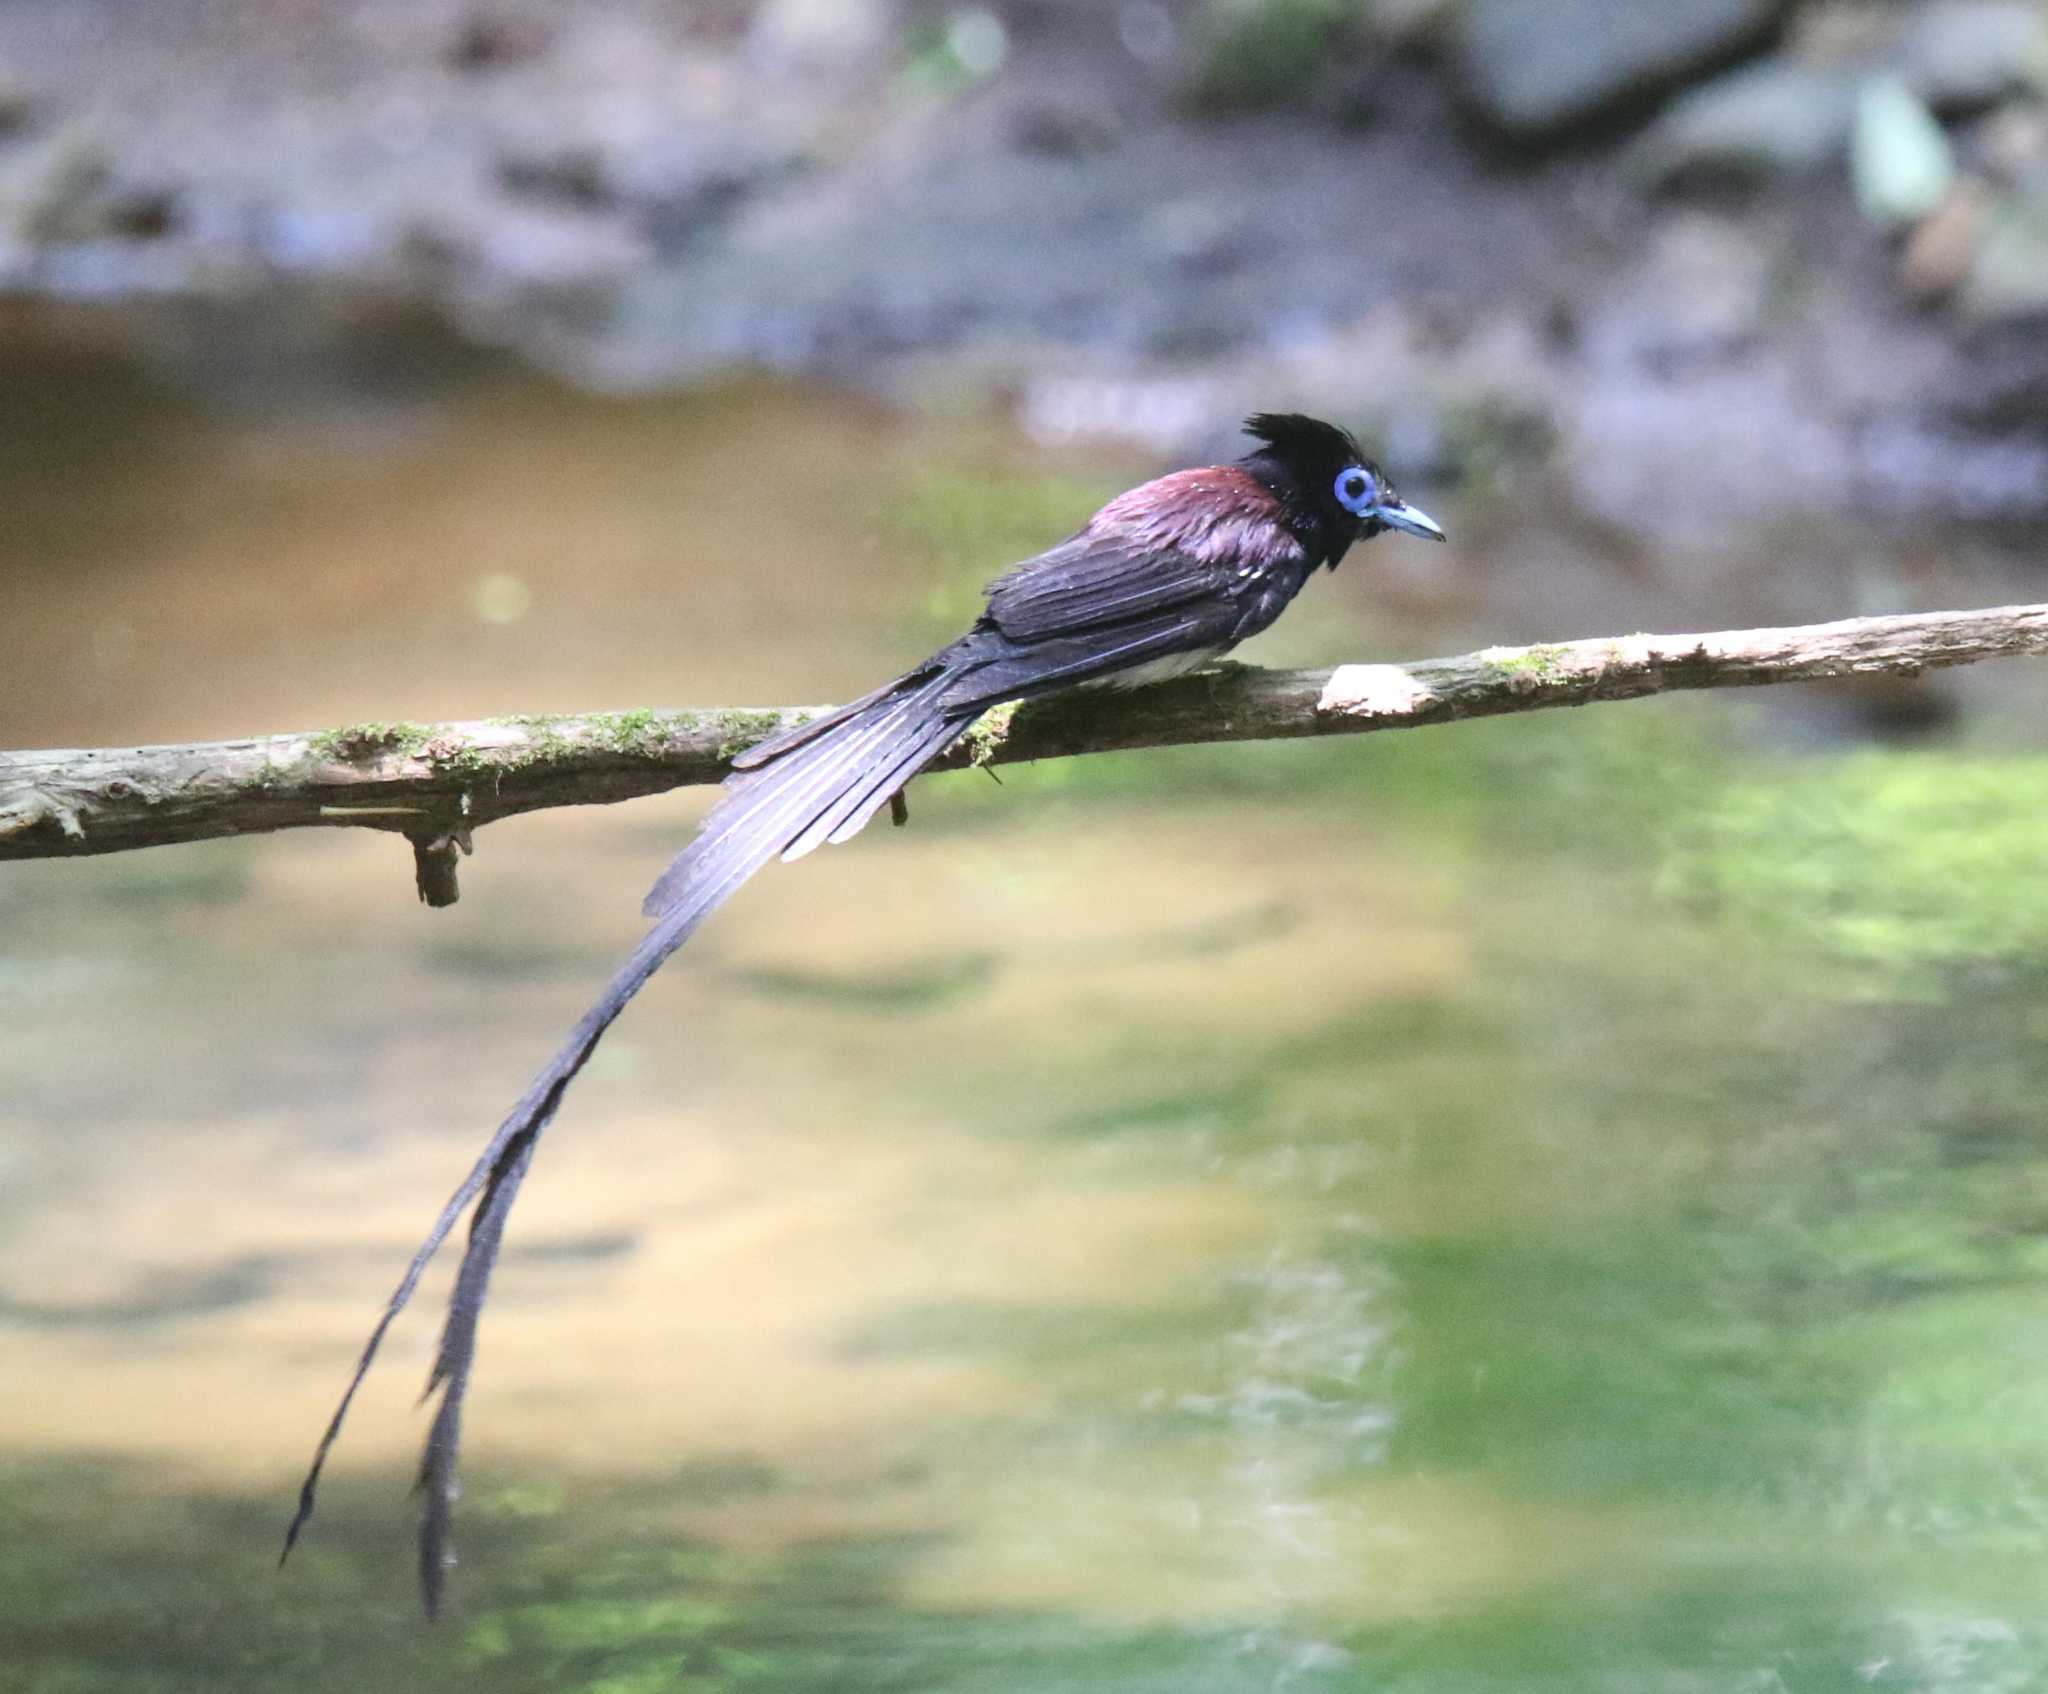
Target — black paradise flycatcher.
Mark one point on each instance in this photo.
(1160, 581)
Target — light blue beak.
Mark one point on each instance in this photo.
(1410, 520)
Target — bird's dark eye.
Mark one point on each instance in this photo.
(1357, 491)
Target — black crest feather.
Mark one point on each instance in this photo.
(1304, 439)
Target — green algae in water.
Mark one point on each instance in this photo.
(916, 985)
(1897, 864)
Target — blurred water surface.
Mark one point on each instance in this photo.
(1555, 1204)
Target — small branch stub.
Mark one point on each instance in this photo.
(434, 862)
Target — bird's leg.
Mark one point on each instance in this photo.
(899, 809)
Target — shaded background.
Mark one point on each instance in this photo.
(1553, 1204)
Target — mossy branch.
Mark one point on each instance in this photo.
(436, 783)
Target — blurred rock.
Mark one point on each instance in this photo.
(1535, 69)
(2012, 141)
(1065, 128)
(2009, 279)
(530, 252)
(1766, 121)
(1162, 412)
(618, 198)
(2001, 391)
(1943, 248)
(71, 190)
(1696, 295)
(820, 34)
(484, 43)
(1412, 22)
(1148, 32)
(18, 106)
(1931, 465)
(672, 182)
(1847, 34)
(1899, 157)
(1198, 236)
(1960, 56)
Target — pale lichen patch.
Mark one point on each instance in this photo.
(36, 809)
(1373, 691)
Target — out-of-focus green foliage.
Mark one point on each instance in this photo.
(1255, 53)
(945, 56)
(1896, 863)
(969, 523)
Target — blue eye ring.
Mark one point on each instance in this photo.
(1357, 490)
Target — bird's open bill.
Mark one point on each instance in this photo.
(1411, 520)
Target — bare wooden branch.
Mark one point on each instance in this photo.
(436, 783)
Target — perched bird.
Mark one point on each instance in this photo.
(1159, 581)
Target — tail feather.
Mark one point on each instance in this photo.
(767, 809)
(496, 1176)
(825, 787)
(844, 766)
(850, 817)
(843, 780)
(789, 740)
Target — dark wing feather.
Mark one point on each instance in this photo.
(1169, 544)
(1028, 673)
(1099, 578)
(1093, 580)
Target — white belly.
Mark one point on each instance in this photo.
(1159, 670)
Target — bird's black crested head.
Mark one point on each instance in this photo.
(1334, 494)
(1307, 446)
